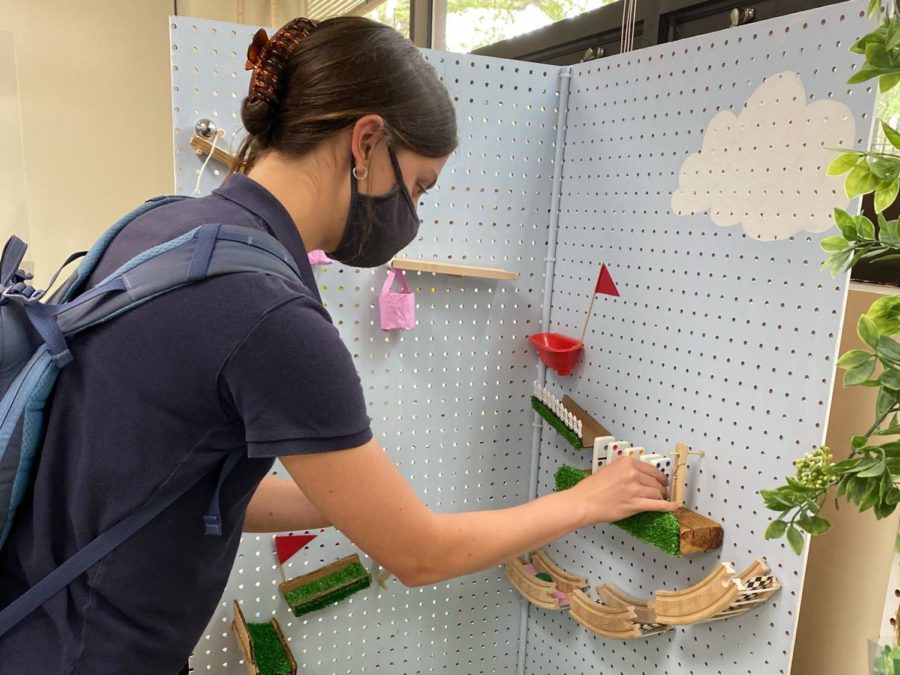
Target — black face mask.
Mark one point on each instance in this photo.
(379, 226)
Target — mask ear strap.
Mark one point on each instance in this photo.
(399, 176)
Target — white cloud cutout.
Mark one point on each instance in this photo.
(765, 168)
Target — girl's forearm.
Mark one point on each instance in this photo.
(468, 542)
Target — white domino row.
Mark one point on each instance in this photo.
(607, 449)
(543, 395)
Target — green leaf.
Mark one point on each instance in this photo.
(795, 539)
(858, 442)
(889, 233)
(877, 469)
(884, 401)
(877, 55)
(870, 496)
(860, 373)
(867, 330)
(887, 348)
(863, 75)
(860, 181)
(890, 378)
(776, 529)
(885, 196)
(856, 487)
(853, 359)
(843, 163)
(865, 227)
(799, 488)
(884, 509)
(842, 218)
(846, 466)
(815, 525)
(888, 82)
(885, 312)
(837, 261)
(892, 429)
(891, 134)
(833, 244)
(874, 6)
(776, 500)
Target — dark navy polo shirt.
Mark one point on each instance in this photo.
(243, 361)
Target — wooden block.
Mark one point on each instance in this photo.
(452, 269)
(204, 147)
(590, 428)
(698, 533)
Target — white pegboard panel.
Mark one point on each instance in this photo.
(724, 337)
(450, 399)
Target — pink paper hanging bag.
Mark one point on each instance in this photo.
(398, 310)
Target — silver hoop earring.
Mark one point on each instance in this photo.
(363, 176)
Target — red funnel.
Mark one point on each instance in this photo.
(557, 351)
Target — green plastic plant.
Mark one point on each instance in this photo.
(868, 477)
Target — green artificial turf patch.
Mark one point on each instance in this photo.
(268, 650)
(297, 598)
(657, 529)
(569, 476)
(556, 423)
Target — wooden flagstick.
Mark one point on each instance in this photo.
(587, 317)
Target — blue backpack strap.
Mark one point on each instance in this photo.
(207, 251)
(89, 264)
(99, 547)
(11, 260)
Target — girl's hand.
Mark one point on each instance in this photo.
(621, 489)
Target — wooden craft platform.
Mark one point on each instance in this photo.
(242, 635)
(590, 428)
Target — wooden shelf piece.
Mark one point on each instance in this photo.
(203, 147)
(538, 592)
(698, 533)
(452, 269)
(590, 428)
(565, 581)
(699, 602)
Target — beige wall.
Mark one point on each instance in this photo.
(94, 91)
(848, 569)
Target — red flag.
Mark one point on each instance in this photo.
(287, 545)
(605, 283)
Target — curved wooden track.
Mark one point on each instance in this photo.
(699, 602)
(565, 581)
(537, 591)
(612, 596)
(618, 624)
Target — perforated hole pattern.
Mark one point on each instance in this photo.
(718, 340)
(449, 400)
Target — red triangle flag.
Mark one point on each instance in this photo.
(605, 283)
(287, 545)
